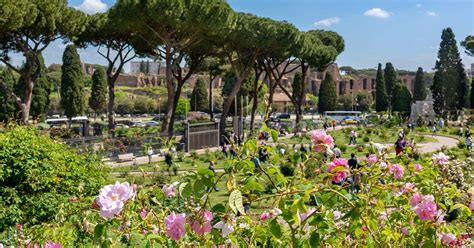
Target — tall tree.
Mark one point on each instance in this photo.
(449, 84)
(401, 98)
(108, 32)
(27, 27)
(297, 85)
(381, 97)
(72, 83)
(7, 104)
(41, 91)
(199, 96)
(468, 44)
(472, 94)
(213, 65)
(169, 29)
(98, 99)
(419, 93)
(327, 94)
(390, 77)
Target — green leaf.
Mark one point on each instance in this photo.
(274, 134)
(463, 208)
(218, 208)
(236, 202)
(275, 229)
(99, 231)
(185, 189)
(315, 239)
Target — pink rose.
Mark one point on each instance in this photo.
(440, 159)
(113, 197)
(338, 162)
(321, 140)
(415, 199)
(418, 167)
(175, 226)
(203, 224)
(269, 215)
(365, 229)
(143, 213)
(404, 231)
(426, 209)
(169, 190)
(397, 171)
(408, 187)
(339, 177)
(372, 159)
(336, 215)
(265, 216)
(447, 238)
(51, 244)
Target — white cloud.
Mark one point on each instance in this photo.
(431, 13)
(92, 6)
(378, 13)
(328, 22)
(418, 5)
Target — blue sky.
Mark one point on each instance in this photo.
(404, 32)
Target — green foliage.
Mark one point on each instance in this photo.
(199, 99)
(390, 77)
(98, 99)
(450, 83)
(297, 85)
(183, 106)
(419, 93)
(72, 84)
(381, 96)
(468, 44)
(402, 98)
(364, 101)
(39, 175)
(327, 94)
(41, 91)
(7, 104)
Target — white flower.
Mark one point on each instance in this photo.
(336, 215)
(226, 225)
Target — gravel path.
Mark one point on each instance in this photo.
(434, 146)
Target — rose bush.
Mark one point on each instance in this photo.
(401, 201)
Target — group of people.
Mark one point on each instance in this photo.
(333, 124)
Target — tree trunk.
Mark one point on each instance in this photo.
(211, 110)
(110, 105)
(177, 95)
(228, 103)
(256, 90)
(170, 89)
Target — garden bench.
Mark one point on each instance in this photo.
(126, 157)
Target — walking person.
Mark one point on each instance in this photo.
(469, 144)
(434, 129)
(224, 149)
(356, 177)
(337, 152)
(398, 146)
(334, 125)
(149, 153)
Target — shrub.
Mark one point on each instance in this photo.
(366, 139)
(461, 144)
(287, 170)
(39, 174)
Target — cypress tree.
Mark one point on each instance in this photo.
(7, 104)
(381, 98)
(464, 88)
(472, 94)
(72, 84)
(98, 99)
(297, 86)
(390, 76)
(449, 84)
(327, 95)
(419, 92)
(401, 98)
(199, 101)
